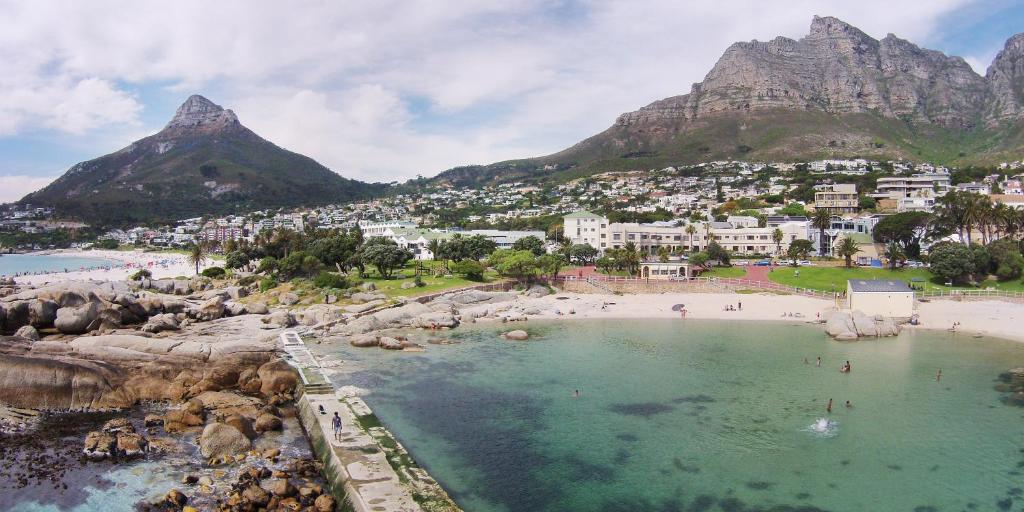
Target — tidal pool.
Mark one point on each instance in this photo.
(703, 415)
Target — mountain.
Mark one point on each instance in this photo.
(203, 162)
(836, 92)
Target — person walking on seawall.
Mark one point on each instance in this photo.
(336, 424)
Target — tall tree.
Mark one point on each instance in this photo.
(777, 236)
(197, 254)
(822, 220)
(848, 248)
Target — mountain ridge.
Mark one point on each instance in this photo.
(204, 161)
(836, 92)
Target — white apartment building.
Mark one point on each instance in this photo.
(594, 230)
(372, 229)
(918, 185)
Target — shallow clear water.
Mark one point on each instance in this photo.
(11, 264)
(703, 415)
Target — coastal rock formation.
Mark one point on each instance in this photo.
(518, 335)
(847, 326)
(220, 440)
(116, 439)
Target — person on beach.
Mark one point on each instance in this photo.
(828, 408)
(336, 424)
(739, 305)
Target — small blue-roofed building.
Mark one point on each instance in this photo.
(886, 297)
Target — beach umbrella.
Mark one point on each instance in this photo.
(678, 307)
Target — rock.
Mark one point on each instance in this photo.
(195, 406)
(27, 332)
(211, 309)
(189, 479)
(367, 296)
(367, 287)
(272, 453)
(232, 308)
(256, 495)
(359, 308)
(220, 440)
(537, 290)
(408, 285)
(153, 420)
(176, 498)
(182, 418)
(277, 377)
(161, 322)
(76, 320)
(99, 445)
(320, 314)
(324, 503)
(436, 320)
(236, 292)
(518, 335)
(257, 308)
(279, 319)
(131, 444)
(243, 424)
(365, 340)
(283, 488)
(308, 493)
(267, 422)
(288, 299)
(846, 326)
(389, 343)
(118, 425)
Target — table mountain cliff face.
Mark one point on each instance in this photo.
(203, 162)
(836, 92)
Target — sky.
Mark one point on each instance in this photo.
(388, 90)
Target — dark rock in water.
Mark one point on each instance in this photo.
(644, 409)
(266, 422)
(99, 445)
(256, 495)
(283, 488)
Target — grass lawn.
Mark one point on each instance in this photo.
(834, 278)
(732, 272)
(393, 287)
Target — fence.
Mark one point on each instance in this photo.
(612, 284)
(971, 294)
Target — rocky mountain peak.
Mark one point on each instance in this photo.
(198, 111)
(1006, 81)
(828, 26)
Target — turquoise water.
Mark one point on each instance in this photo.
(13, 264)
(704, 415)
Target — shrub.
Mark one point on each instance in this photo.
(214, 272)
(142, 274)
(267, 283)
(469, 268)
(330, 280)
(419, 281)
(247, 280)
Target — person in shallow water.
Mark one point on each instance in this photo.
(848, 404)
(336, 423)
(819, 362)
(938, 376)
(828, 408)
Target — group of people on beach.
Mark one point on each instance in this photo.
(730, 307)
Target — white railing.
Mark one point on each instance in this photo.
(722, 282)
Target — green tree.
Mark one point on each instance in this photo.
(699, 259)
(550, 265)
(908, 229)
(529, 243)
(777, 237)
(691, 230)
(472, 269)
(718, 253)
(1006, 261)
(894, 255)
(951, 262)
(517, 264)
(583, 254)
(848, 248)
(386, 258)
(799, 249)
(479, 247)
(793, 210)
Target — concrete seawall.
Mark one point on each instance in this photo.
(366, 468)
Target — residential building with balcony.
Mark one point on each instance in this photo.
(837, 199)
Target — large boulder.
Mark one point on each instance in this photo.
(257, 308)
(279, 318)
(436, 320)
(210, 309)
(367, 296)
(288, 299)
(266, 422)
(518, 335)
(848, 326)
(60, 384)
(277, 376)
(320, 314)
(242, 424)
(365, 340)
(220, 440)
(161, 322)
(28, 332)
(389, 343)
(76, 320)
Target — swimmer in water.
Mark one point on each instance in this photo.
(819, 361)
(577, 394)
(848, 404)
(938, 376)
(806, 361)
(828, 408)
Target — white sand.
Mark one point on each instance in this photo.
(161, 264)
(989, 318)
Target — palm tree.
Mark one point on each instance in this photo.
(691, 230)
(847, 249)
(197, 254)
(822, 220)
(777, 238)
(894, 253)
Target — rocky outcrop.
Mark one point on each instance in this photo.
(116, 439)
(849, 326)
(220, 440)
(518, 335)
(1005, 79)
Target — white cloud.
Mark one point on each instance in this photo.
(390, 89)
(14, 187)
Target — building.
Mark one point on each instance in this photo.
(372, 229)
(837, 199)
(505, 239)
(665, 270)
(595, 230)
(880, 297)
(927, 185)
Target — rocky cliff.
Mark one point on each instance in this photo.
(836, 92)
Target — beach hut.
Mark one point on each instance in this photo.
(886, 297)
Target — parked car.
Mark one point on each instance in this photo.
(763, 263)
(805, 263)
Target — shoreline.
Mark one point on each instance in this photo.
(125, 263)
(990, 318)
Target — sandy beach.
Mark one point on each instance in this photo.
(989, 318)
(161, 264)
